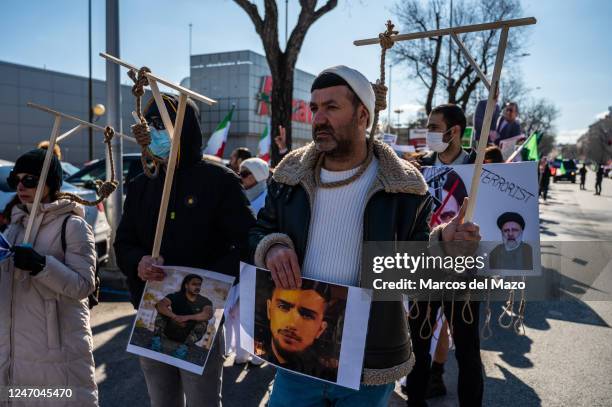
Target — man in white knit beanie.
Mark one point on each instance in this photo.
(324, 201)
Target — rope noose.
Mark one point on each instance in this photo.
(486, 331)
(426, 322)
(103, 188)
(507, 309)
(141, 130)
(415, 306)
(380, 93)
(519, 325)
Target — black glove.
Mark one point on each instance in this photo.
(26, 258)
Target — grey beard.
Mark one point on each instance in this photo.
(256, 190)
(509, 246)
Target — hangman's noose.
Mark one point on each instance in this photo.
(103, 189)
(507, 309)
(414, 315)
(486, 331)
(426, 323)
(518, 324)
(380, 93)
(141, 131)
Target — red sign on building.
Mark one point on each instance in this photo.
(300, 110)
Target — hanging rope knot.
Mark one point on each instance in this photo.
(385, 39)
(380, 94)
(140, 80)
(142, 134)
(106, 188)
(109, 133)
(103, 188)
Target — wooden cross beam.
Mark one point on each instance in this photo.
(491, 86)
(174, 131)
(55, 137)
(82, 123)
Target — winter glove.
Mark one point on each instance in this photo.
(26, 258)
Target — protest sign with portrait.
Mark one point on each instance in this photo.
(178, 318)
(318, 330)
(507, 211)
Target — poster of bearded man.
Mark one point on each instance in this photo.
(507, 210)
(317, 330)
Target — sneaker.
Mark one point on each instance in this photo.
(156, 345)
(181, 352)
(256, 361)
(241, 360)
(436, 387)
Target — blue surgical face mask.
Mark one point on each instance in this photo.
(160, 143)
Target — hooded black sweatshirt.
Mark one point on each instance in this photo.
(208, 215)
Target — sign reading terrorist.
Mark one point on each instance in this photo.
(507, 211)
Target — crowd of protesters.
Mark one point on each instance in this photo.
(285, 219)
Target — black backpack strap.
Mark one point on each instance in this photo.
(63, 234)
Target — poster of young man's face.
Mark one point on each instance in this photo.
(507, 211)
(302, 330)
(178, 318)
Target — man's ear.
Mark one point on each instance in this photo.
(268, 304)
(363, 115)
(456, 132)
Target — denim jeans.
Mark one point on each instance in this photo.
(300, 391)
(170, 386)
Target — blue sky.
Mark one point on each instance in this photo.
(570, 49)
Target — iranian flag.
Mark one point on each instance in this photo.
(217, 141)
(263, 147)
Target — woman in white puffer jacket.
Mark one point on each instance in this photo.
(45, 336)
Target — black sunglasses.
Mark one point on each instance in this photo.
(28, 181)
(244, 174)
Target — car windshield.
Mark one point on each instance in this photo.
(96, 171)
(569, 164)
(89, 174)
(69, 169)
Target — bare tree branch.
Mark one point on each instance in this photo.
(282, 63)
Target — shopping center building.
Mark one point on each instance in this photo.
(242, 78)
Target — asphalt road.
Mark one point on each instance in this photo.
(565, 358)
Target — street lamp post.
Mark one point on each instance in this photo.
(399, 112)
(90, 91)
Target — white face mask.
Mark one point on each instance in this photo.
(435, 141)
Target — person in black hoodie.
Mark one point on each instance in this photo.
(206, 227)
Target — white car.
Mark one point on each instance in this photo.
(94, 215)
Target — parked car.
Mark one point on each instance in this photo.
(69, 169)
(570, 170)
(96, 170)
(94, 215)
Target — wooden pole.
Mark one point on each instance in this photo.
(468, 56)
(42, 180)
(176, 140)
(70, 132)
(174, 86)
(76, 119)
(457, 30)
(161, 106)
(486, 125)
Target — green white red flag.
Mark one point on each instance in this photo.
(263, 148)
(216, 142)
